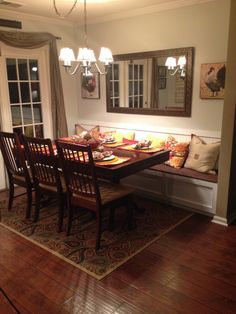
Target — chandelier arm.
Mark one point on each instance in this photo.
(71, 71)
(177, 68)
(68, 13)
(99, 70)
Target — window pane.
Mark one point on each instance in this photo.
(117, 102)
(23, 69)
(29, 131)
(18, 130)
(130, 71)
(111, 89)
(16, 115)
(111, 102)
(140, 87)
(35, 92)
(136, 71)
(13, 93)
(130, 102)
(130, 88)
(140, 101)
(39, 131)
(34, 74)
(37, 113)
(116, 71)
(11, 69)
(25, 95)
(116, 89)
(135, 102)
(141, 72)
(27, 114)
(135, 87)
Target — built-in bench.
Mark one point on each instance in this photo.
(185, 187)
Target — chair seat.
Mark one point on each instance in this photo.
(109, 192)
(53, 188)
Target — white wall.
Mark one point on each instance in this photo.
(60, 28)
(205, 27)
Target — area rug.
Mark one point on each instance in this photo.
(117, 246)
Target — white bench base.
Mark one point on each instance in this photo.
(189, 193)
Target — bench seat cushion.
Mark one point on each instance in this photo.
(186, 173)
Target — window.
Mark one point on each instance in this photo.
(23, 80)
(114, 81)
(133, 94)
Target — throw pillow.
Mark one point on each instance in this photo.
(81, 131)
(202, 157)
(119, 136)
(156, 142)
(178, 152)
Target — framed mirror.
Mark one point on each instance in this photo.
(154, 82)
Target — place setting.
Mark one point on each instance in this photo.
(107, 158)
(145, 146)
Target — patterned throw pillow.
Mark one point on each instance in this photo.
(178, 152)
(202, 157)
(81, 131)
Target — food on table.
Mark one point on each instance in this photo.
(143, 144)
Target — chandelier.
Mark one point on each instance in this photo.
(177, 67)
(86, 58)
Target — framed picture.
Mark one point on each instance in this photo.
(212, 80)
(161, 83)
(90, 86)
(161, 70)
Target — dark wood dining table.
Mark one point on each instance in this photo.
(138, 161)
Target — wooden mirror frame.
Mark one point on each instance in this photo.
(181, 112)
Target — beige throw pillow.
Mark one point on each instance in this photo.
(202, 157)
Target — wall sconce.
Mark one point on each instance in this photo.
(176, 67)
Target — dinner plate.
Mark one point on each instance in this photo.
(142, 148)
(111, 157)
(109, 142)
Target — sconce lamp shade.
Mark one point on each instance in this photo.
(182, 62)
(105, 56)
(67, 56)
(170, 63)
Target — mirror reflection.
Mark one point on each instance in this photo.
(157, 82)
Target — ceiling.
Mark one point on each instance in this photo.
(97, 10)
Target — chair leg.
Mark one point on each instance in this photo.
(29, 202)
(61, 213)
(11, 194)
(111, 219)
(37, 204)
(70, 218)
(130, 206)
(98, 237)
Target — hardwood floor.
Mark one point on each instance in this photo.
(192, 269)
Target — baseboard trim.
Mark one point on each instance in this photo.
(220, 221)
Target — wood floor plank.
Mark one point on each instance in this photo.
(191, 269)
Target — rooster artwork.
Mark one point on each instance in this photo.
(212, 85)
(90, 86)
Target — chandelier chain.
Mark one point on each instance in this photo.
(68, 13)
(85, 24)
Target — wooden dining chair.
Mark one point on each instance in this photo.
(45, 173)
(17, 169)
(84, 190)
